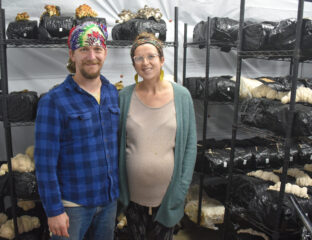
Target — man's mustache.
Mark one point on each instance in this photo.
(91, 62)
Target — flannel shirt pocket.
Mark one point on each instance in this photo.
(80, 125)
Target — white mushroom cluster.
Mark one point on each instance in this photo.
(212, 211)
(253, 88)
(302, 179)
(143, 13)
(264, 175)
(20, 163)
(24, 223)
(26, 205)
(292, 189)
(253, 233)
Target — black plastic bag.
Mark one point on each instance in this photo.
(261, 204)
(219, 159)
(302, 120)
(293, 153)
(245, 189)
(307, 34)
(272, 115)
(215, 187)
(224, 30)
(22, 106)
(264, 113)
(305, 153)
(22, 29)
(283, 84)
(55, 27)
(79, 21)
(200, 33)
(196, 86)
(242, 219)
(256, 36)
(280, 84)
(283, 36)
(266, 157)
(202, 165)
(130, 29)
(26, 185)
(4, 179)
(306, 82)
(221, 89)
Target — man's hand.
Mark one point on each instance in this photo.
(59, 224)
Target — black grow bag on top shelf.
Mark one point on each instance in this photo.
(55, 27)
(22, 29)
(130, 29)
(223, 30)
(283, 36)
(79, 21)
(256, 36)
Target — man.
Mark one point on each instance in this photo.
(76, 150)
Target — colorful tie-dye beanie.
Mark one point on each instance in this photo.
(87, 34)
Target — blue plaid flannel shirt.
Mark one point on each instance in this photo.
(76, 146)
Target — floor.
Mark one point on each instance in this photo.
(190, 231)
(197, 233)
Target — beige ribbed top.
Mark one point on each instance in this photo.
(150, 151)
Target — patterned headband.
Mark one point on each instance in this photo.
(144, 41)
(87, 34)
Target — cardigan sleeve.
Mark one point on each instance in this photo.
(190, 148)
(124, 102)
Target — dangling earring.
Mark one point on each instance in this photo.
(136, 77)
(161, 75)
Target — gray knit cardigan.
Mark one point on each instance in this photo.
(172, 206)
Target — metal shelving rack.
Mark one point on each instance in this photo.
(4, 90)
(295, 56)
(208, 45)
(62, 43)
(201, 153)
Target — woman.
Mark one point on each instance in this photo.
(157, 145)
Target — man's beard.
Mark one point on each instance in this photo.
(88, 75)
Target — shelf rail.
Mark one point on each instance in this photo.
(6, 123)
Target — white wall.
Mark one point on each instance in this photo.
(39, 69)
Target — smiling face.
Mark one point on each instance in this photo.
(149, 68)
(88, 61)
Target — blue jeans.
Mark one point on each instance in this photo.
(94, 223)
